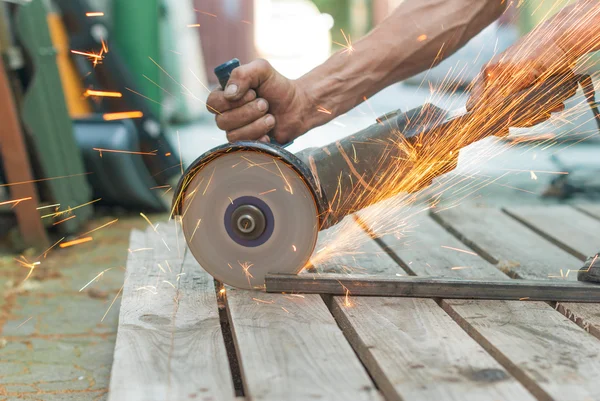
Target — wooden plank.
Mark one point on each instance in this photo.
(501, 240)
(415, 351)
(567, 228)
(434, 287)
(18, 168)
(590, 209)
(530, 256)
(558, 359)
(399, 340)
(291, 348)
(576, 232)
(169, 341)
(527, 338)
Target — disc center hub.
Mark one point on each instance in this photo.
(248, 222)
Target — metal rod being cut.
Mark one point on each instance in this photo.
(434, 287)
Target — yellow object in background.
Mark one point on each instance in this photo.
(77, 104)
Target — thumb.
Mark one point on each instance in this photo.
(246, 77)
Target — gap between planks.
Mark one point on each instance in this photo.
(524, 321)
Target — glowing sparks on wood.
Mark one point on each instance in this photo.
(421, 38)
(459, 250)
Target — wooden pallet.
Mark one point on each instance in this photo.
(181, 338)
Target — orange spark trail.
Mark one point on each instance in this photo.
(102, 226)
(122, 116)
(70, 209)
(124, 151)
(75, 242)
(15, 201)
(193, 26)
(91, 92)
(205, 13)
(63, 220)
(459, 250)
(92, 55)
(42, 179)
(94, 14)
(145, 97)
(19, 326)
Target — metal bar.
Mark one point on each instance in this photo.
(434, 287)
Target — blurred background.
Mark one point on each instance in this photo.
(102, 102)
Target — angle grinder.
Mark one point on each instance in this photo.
(251, 208)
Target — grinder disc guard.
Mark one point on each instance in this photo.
(247, 213)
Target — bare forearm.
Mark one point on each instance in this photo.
(418, 35)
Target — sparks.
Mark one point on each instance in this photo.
(94, 14)
(348, 48)
(42, 179)
(70, 209)
(102, 226)
(122, 116)
(421, 38)
(193, 26)
(322, 109)
(263, 301)
(95, 278)
(75, 242)
(149, 222)
(15, 201)
(153, 153)
(96, 93)
(19, 326)
(459, 250)
(63, 220)
(267, 192)
(91, 55)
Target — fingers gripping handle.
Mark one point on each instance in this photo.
(223, 72)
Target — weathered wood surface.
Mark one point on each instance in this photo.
(508, 330)
(521, 337)
(169, 342)
(291, 348)
(411, 348)
(564, 226)
(579, 234)
(514, 248)
(590, 209)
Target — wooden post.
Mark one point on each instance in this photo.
(18, 168)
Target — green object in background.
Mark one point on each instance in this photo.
(532, 12)
(136, 32)
(45, 116)
(353, 16)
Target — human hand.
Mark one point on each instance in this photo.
(257, 102)
(529, 61)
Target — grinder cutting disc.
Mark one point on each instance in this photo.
(247, 213)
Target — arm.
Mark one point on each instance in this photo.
(416, 36)
(553, 47)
